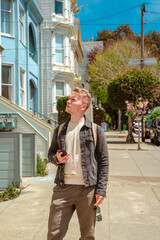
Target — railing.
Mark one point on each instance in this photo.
(48, 120)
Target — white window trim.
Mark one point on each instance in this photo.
(23, 23)
(23, 89)
(54, 100)
(59, 15)
(12, 80)
(57, 63)
(60, 81)
(11, 23)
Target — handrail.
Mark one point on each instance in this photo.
(49, 120)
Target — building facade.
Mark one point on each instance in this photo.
(19, 31)
(83, 72)
(60, 44)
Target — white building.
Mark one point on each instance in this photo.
(60, 47)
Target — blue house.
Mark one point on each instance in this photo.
(19, 80)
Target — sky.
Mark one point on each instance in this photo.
(97, 15)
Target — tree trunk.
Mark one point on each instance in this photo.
(130, 138)
(119, 120)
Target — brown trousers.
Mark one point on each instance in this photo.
(65, 201)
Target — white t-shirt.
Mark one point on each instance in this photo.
(73, 169)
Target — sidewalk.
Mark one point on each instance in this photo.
(131, 210)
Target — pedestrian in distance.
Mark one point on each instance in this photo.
(81, 157)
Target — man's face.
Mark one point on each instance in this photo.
(74, 104)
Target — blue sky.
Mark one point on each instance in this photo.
(108, 13)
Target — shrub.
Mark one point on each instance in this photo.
(61, 106)
(100, 116)
(10, 192)
(41, 167)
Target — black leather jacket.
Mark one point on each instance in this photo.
(95, 161)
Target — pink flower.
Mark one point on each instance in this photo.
(139, 111)
(140, 105)
(129, 106)
(145, 103)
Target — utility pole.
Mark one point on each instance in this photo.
(142, 35)
(142, 61)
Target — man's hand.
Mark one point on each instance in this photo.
(61, 159)
(99, 200)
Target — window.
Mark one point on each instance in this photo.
(6, 16)
(59, 89)
(59, 48)
(22, 86)
(32, 43)
(59, 7)
(22, 22)
(6, 82)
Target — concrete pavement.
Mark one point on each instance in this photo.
(131, 210)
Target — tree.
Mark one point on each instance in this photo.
(152, 43)
(109, 64)
(121, 33)
(92, 54)
(63, 116)
(131, 86)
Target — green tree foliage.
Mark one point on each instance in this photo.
(154, 114)
(61, 106)
(109, 64)
(132, 85)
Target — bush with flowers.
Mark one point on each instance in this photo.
(99, 116)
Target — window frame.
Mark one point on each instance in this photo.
(60, 49)
(58, 96)
(10, 84)
(22, 23)
(22, 88)
(11, 19)
(62, 2)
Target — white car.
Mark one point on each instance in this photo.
(135, 125)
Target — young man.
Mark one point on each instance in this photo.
(82, 174)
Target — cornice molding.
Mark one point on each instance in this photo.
(75, 6)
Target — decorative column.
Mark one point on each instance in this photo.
(66, 9)
(66, 50)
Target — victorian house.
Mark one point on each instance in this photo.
(22, 134)
(60, 52)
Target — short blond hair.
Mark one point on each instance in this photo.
(85, 95)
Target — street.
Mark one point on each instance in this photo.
(131, 210)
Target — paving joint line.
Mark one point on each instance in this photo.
(145, 180)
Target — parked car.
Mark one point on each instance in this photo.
(155, 131)
(135, 125)
(147, 128)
